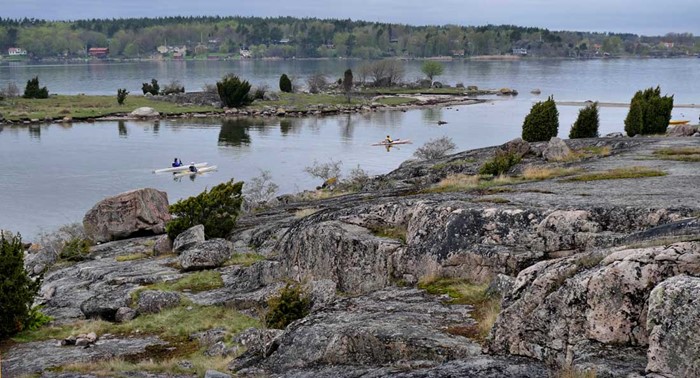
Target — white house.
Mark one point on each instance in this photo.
(15, 51)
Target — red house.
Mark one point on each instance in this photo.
(98, 52)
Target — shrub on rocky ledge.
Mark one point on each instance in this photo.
(233, 92)
(285, 84)
(649, 112)
(500, 164)
(17, 290)
(32, 90)
(586, 125)
(216, 209)
(290, 305)
(435, 148)
(542, 124)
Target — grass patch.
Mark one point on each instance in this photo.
(304, 100)
(486, 307)
(131, 257)
(244, 259)
(435, 91)
(171, 324)
(461, 182)
(544, 173)
(395, 101)
(81, 106)
(454, 163)
(664, 241)
(303, 213)
(491, 200)
(115, 366)
(203, 280)
(688, 154)
(585, 153)
(619, 173)
(572, 372)
(391, 232)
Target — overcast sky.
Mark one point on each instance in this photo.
(649, 17)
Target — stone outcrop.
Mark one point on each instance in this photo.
(556, 150)
(672, 323)
(682, 130)
(188, 238)
(205, 255)
(136, 213)
(155, 301)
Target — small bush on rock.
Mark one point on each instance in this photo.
(586, 125)
(217, 210)
(32, 90)
(542, 124)
(233, 92)
(121, 95)
(17, 290)
(500, 164)
(259, 190)
(324, 171)
(285, 84)
(174, 87)
(75, 249)
(649, 113)
(435, 148)
(152, 88)
(290, 305)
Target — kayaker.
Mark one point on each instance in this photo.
(177, 163)
(388, 140)
(193, 169)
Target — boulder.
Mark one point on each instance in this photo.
(145, 112)
(472, 88)
(188, 238)
(215, 374)
(162, 246)
(136, 213)
(556, 150)
(104, 306)
(437, 84)
(517, 146)
(206, 255)
(536, 91)
(124, 314)
(155, 301)
(682, 130)
(271, 96)
(672, 323)
(614, 135)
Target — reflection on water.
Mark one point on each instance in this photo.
(123, 132)
(35, 131)
(431, 115)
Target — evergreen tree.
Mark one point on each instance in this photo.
(233, 92)
(17, 290)
(121, 95)
(649, 112)
(586, 125)
(347, 83)
(542, 124)
(285, 84)
(32, 90)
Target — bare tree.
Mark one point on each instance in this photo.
(435, 148)
(386, 72)
(259, 190)
(317, 83)
(324, 171)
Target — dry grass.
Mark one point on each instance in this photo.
(491, 200)
(586, 152)
(244, 259)
(112, 367)
(544, 173)
(131, 257)
(619, 173)
(391, 232)
(688, 154)
(486, 307)
(303, 213)
(461, 182)
(571, 372)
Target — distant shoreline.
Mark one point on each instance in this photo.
(619, 104)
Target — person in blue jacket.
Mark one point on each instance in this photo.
(177, 163)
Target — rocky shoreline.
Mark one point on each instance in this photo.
(597, 277)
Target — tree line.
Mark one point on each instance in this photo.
(288, 37)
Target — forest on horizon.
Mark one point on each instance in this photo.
(289, 37)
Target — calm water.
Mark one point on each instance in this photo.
(59, 171)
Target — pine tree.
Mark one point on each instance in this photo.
(285, 84)
(542, 124)
(347, 82)
(32, 90)
(233, 92)
(649, 112)
(586, 125)
(17, 290)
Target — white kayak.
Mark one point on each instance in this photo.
(393, 142)
(200, 170)
(183, 167)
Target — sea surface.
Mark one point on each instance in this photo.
(58, 172)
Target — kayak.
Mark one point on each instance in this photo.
(677, 122)
(395, 141)
(201, 170)
(183, 167)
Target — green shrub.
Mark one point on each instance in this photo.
(32, 90)
(75, 249)
(290, 305)
(285, 84)
(174, 87)
(649, 112)
(500, 164)
(121, 95)
(152, 88)
(17, 290)
(217, 210)
(233, 92)
(542, 124)
(586, 125)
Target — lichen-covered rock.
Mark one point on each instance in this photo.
(556, 150)
(163, 245)
(105, 305)
(598, 296)
(517, 147)
(145, 112)
(381, 328)
(682, 130)
(188, 238)
(155, 301)
(672, 323)
(135, 213)
(206, 255)
(124, 314)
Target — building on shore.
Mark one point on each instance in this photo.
(98, 52)
(16, 51)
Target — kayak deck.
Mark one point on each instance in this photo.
(201, 170)
(397, 141)
(180, 168)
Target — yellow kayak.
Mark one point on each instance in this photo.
(677, 122)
